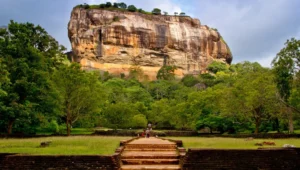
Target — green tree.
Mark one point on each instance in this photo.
(116, 5)
(108, 4)
(80, 93)
(175, 13)
(122, 5)
(29, 54)
(132, 8)
(189, 80)
(102, 5)
(139, 121)
(286, 64)
(165, 13)
(216, 66)
(252, 97)
(166, 73)
(156, 11)
(182, 14)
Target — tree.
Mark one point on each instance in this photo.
(252, 98)
(156, 11)
(29, 55)
(165, 13)
(102, 5)
(108, 4)
(189, 80)
(166, 73)
(286, 65)
(175, 13)
(216, 66)
(86, 6)
(80, 93)
(132, 8)
(122, 5)
(182, 14)
(116, 5)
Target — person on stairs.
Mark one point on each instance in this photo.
(147, 133)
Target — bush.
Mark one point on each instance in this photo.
(132, 8)
(139, 121)
(156, 11)
(116, 19)
(53, 127)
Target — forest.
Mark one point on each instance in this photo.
(40, 90)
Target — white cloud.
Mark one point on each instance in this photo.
(252, 28)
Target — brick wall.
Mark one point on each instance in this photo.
(34, 162)
(267, 159)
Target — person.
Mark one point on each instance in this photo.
(147, 133)
(143, 133)
(150, 126)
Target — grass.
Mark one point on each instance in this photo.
(231, 143)
(78, 145)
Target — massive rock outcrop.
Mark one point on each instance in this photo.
(114, 41)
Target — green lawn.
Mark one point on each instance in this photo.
(77, 145)
(231, 143)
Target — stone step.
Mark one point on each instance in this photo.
(150, 167)
(149, 155)
(149, 149)
(157, 146)
(150, 161)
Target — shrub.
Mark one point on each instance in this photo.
(156, 11)
(53, 126)
(116, 19)
(182, 14)
(132, 8)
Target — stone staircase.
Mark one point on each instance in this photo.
(150, 154)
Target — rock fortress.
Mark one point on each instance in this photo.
(115, 41)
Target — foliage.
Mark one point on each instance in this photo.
(216, 66)
(182, 14)
(80, 93)
(122, 5)
(166, 73)
(156, 11)
(28, 56)
(286, 67)
(189, 80)
(132, 8)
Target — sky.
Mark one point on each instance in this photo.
(255, 30)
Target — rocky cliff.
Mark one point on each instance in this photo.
(114, 41)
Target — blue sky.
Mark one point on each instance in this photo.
(255, 30)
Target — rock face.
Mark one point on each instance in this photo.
(115, 41)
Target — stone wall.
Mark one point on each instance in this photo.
(271, 159)
(37, 162)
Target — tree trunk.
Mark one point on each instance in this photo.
(9, 127)
(68, 121)
(291, 122)
(257, 124)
